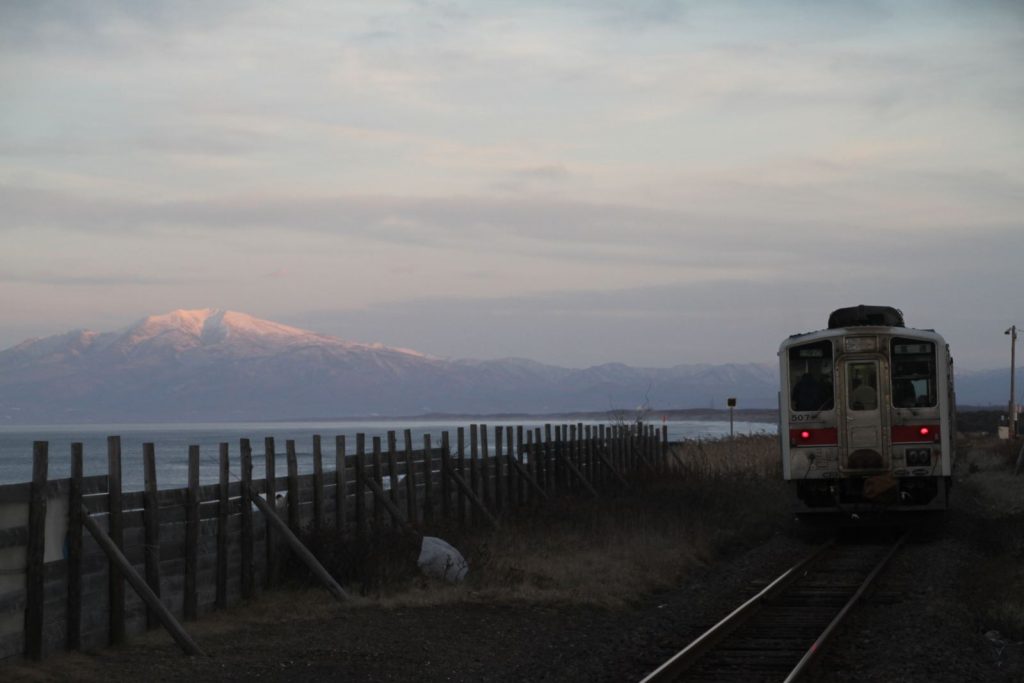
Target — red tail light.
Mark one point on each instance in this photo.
(915, 433)
(814, 437)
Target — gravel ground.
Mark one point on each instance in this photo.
(925, 622)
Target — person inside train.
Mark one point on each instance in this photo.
(903, 394)
(811, 392)
(864, 396)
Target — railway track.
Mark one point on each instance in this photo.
(775, 635)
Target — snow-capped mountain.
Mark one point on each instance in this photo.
(216, 365)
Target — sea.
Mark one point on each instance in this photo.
(171, 442)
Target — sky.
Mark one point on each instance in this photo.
(645, 181)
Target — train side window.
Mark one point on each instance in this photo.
(810, 377)
(913, 373)
(862, 384)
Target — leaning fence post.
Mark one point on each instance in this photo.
(152, 601)
(75, 549)
(300, 550)
(35, 552)
(116, 533)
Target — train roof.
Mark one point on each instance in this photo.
(832, 333)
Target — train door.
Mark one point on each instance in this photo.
(862, 422)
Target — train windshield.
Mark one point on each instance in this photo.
(810, 377)
(913, 373)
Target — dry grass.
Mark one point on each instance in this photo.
(717, 497)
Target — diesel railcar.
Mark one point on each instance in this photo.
(867, 414)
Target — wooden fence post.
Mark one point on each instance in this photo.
(428, 481)
(531, 461)
(151, 520)
(499, 484)
(485, 469)
(392, 467)
(116, 533)
(664, 442)
(248, 579)
(588, 461)
(294, 523)
(572, 455)
(318, 487)
(270, 457)
(410, 480)
(474, 467)
(461, 455)
(538, 454)
(516, 456)
(446, 489)
(360, 472)
(222, 529)
(546, 454)
(192, 535)
(341, 495)
(35, 552)
(378, 476)
(513, 482)
(556, 453)
(75, 549)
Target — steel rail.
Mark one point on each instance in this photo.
(685, 658)
(805, 662)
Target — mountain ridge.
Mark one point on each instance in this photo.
(214, 364)
(209, 365)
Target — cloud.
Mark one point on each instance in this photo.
(97, 280)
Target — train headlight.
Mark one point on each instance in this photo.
(917, 457)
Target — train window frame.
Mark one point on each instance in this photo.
(915, 368)
(862, 394)
(818, 388)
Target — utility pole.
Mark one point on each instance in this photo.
(1013, 372)
(732, 405)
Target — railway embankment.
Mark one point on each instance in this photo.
(606, 590)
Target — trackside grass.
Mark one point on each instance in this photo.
(716, 498)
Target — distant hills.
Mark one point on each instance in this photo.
(215, 365)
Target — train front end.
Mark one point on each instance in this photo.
(867, 415)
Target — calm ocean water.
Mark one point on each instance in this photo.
(172, 442)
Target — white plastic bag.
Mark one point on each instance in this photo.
(441, 561)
